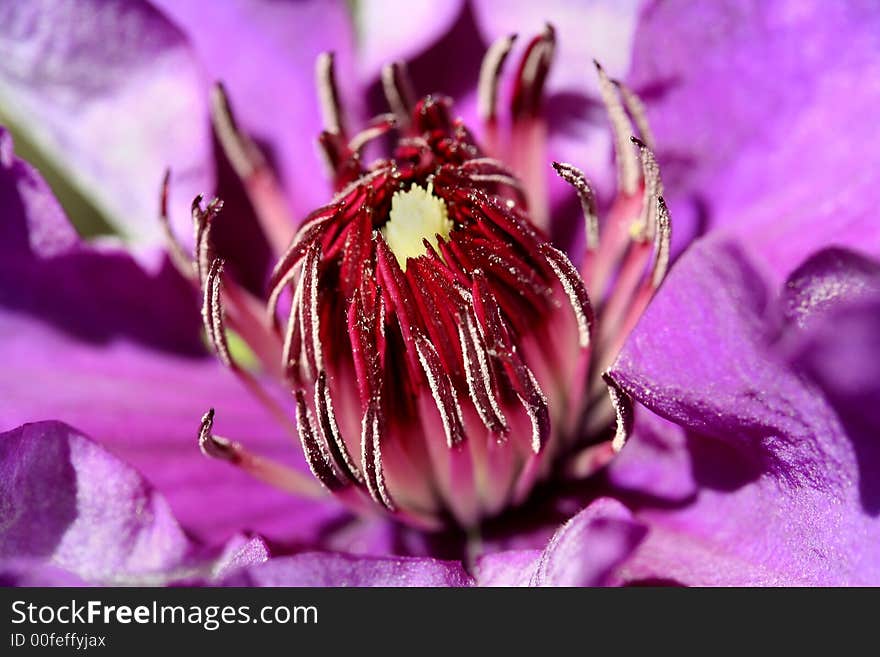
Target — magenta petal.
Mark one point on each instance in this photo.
(269, 75)
(773, 141)
(109, 93)
(335, 569)
(68, 502)
(779, 500)
(583, 552)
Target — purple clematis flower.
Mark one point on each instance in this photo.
(445, 355)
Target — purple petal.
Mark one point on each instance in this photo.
(392, 31)
(827, 279)
(240, 552)
(774, 141)
(583, 552)
(269, 75)
(110, 94)
(34, 572)
(654, 461)
(334, 569)
(838, 346)
(779, 500)
(90, 292)
(88, 337)
(73, 505)
(146, 406)
(507, 568)
(601, 30)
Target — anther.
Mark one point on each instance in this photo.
(212, 313)
(328, 94)
(398, 90)
(181, 260)
(490, 76)
(265, 470)
(533, 69)
(647, 224)
(576, 178)
(623, 409)
(315, 451)
(627, 167)
(662, 242)
(636, 110)
(258, 178)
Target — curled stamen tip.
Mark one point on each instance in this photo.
(598, 66)
(638, 142)
(623, 409)
(210, 444)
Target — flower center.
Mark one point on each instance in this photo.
(416, 215)
(438, 372)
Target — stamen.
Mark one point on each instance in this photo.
(213, 318)
(627, 167)
(623, 409)
(328, 94)
(212, 313)
(533, 69)
(574, 289)
(535, 403)
(329, 427)
(181, 260)
(309, 316)
(498, 179)
(479, 376)
(371, 457)
(647, 224)
(292, 346)
(258, 178)
(499, 346)
(490, 76)
(398, 90)
(317, 456)
(266, 470)
(395, 285)
(285, 270)
(637, 111)
(202, 221)
(627, 304)
(662, 242)
(576, 178)
(379, 126)
(441, 387)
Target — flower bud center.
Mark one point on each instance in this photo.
(416, 215)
